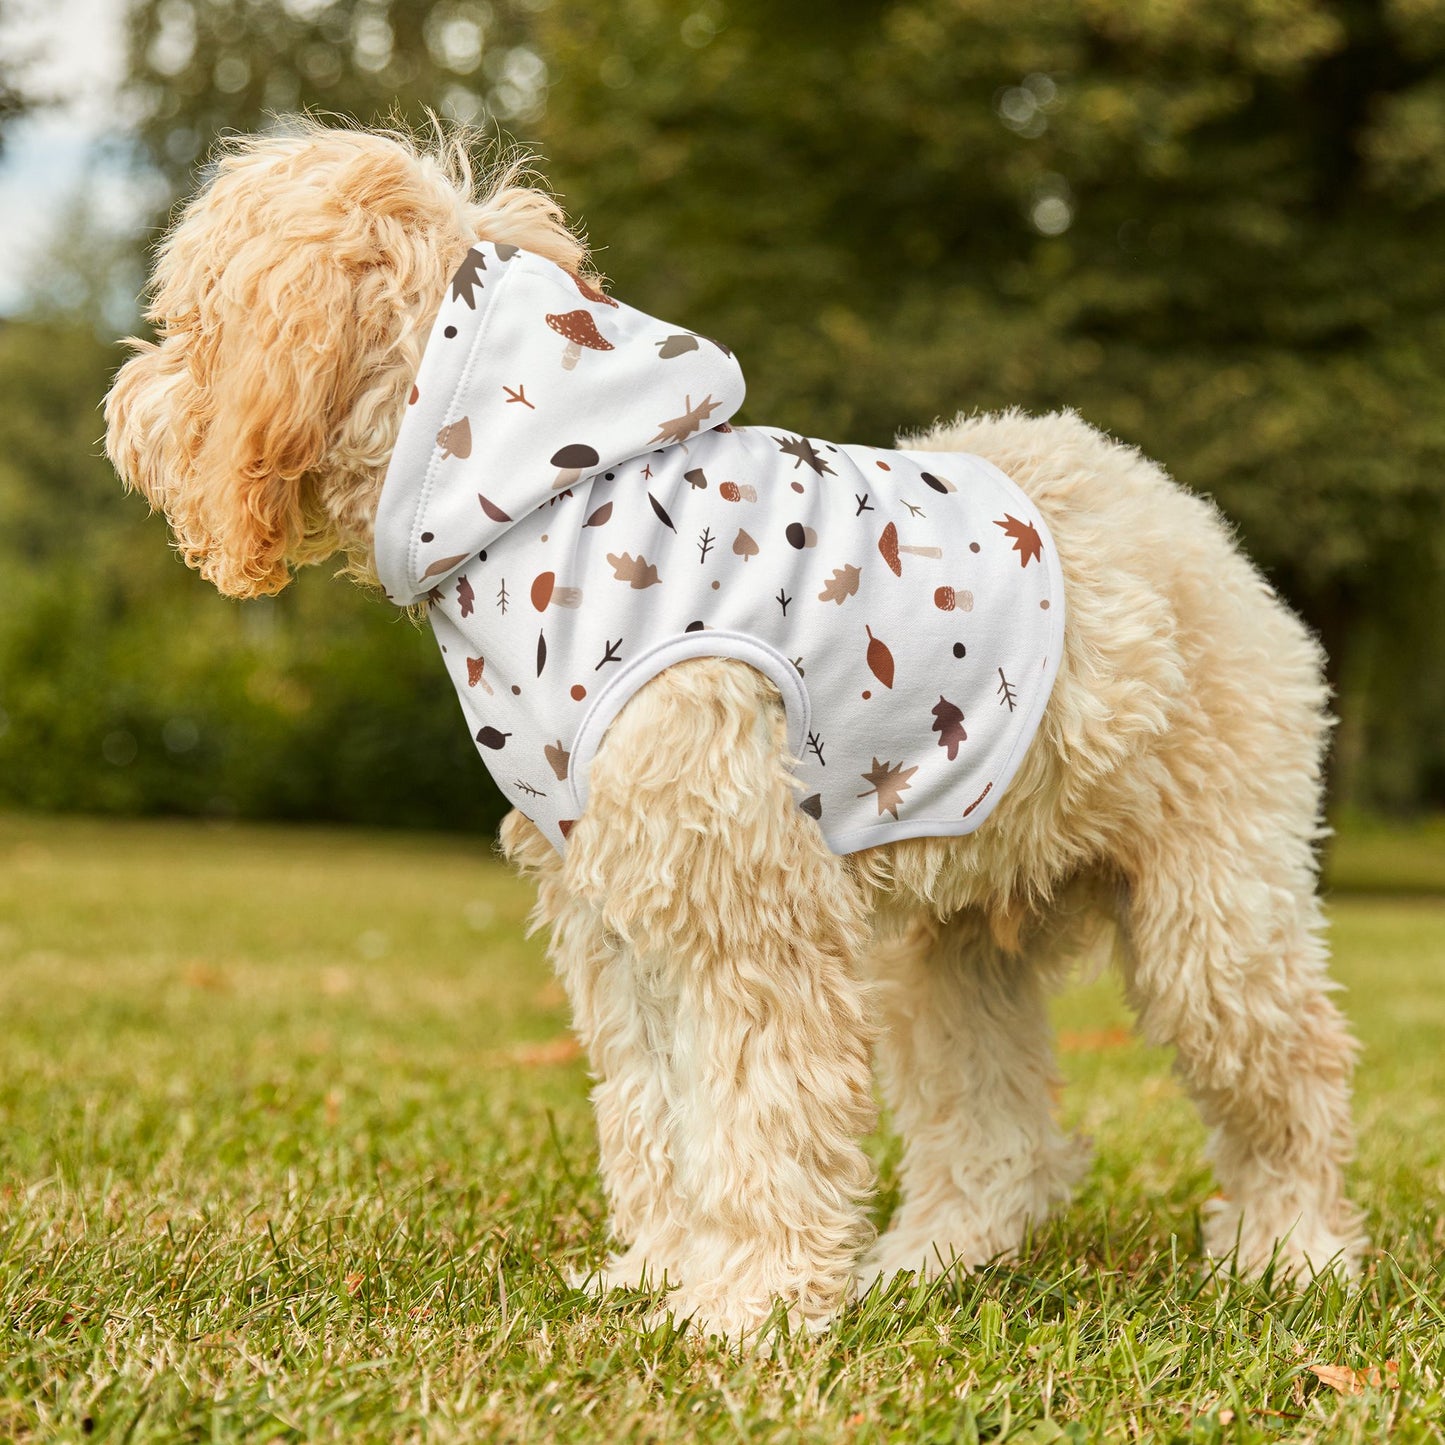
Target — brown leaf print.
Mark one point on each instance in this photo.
(841, 585)
(880, 659)
(600, 517)
(744, 545)
(557, 759)
(466, 598)
(661, 512)
(682, 427)
(444, 565)
(637, 571)
(1027, 542)
(468, 279)
(491, 738)
(889, 784)
(948, 724)
(492, 509)
(455, 439)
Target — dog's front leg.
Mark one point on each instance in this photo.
(740, 929)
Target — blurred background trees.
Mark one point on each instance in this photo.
(1214, 227)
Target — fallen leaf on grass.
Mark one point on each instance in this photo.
(354, 1283)
(554, 1051)
(1347, 1381)
(1101, 1039)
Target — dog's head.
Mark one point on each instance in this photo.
(291, 302)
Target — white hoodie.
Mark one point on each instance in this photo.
(567, 492)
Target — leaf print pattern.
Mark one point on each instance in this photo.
(880, 659)
(888, 785)
(636, 571)
(527, 460)
(842, 585)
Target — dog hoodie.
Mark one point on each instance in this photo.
(569, 497)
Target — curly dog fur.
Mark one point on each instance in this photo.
(731, 979)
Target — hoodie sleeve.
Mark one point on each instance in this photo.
(532, 380)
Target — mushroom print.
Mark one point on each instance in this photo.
(546, 593)
(947, 598)
(890, 547)
(592, 293)
(574, 459)
(676, 345)
(579, 330)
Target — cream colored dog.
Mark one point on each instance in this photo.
(729, 976)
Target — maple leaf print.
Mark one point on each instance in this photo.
(692, 418)
(841, 585)
(468, 279)
(801, 450)
(889, 784)
(638, 572)
(948, 724)
(1027, 542)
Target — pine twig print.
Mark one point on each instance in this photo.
(862, 504)
(704, 543)
(815, 746)
(1006, 693)
(527, 788)
(782, 599)
(503, 596)
(611, 655)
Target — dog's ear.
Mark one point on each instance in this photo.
(220, 423)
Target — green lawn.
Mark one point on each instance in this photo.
(292, 1147)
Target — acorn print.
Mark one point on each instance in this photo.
(455, 439)
(800, 536)
(732, 492)
(579, 330)
(546, 593)
(890, 547)
(574, 459)
(491, 738)
(947, 598)
(939, 484)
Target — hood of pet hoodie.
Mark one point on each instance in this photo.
(568, 499)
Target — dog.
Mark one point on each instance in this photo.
(732, 976)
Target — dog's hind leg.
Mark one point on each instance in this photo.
(1225, 961)
(966, 1059)
(743, 930)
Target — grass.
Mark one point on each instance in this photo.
(292, 1147)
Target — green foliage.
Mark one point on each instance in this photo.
(291, 1152)
(128, 686)
(1217, 230)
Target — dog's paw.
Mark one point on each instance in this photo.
(1298, 1245)
(756, 1325)
(633, 1270)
